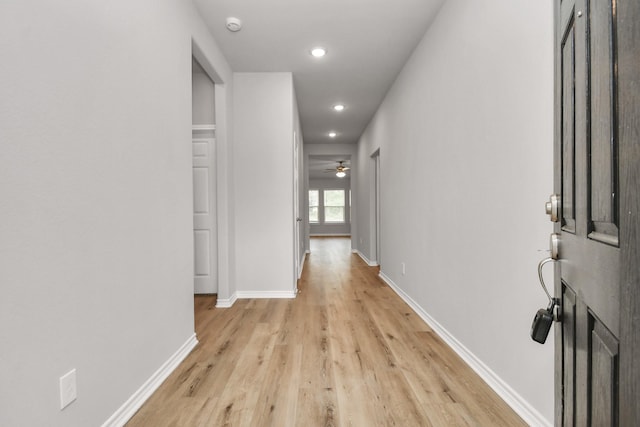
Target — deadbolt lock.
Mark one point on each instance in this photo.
(552, 207)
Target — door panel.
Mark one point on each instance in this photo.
(604, 375)
(204, 213)
(569, 353)
(201, 190)
(202, 254)
(568, 127)
(602, 139)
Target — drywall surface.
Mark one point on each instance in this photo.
(263, 177)
(465, 138)
(203, 100)
(96, 246)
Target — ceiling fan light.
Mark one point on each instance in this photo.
(338, 107)
(341, 174)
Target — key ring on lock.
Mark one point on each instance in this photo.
(544, 287)
(553, 302)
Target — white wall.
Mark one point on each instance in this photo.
(263, 155)
(465, 138)
(96, 225)
(203, 99)
(329, 228)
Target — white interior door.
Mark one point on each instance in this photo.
(296, 206)
(204, 208)
(375, 209)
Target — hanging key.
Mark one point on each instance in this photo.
(544, 318)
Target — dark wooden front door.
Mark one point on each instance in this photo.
(597, 175)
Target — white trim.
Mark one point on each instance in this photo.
(365, 259)
(129, 408)
(203, 127)
(528, 413)
(301, 266)
(226, 302)
(266, 294)
(330, 235)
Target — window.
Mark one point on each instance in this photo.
(329, 206)
(333, 206)
(314, 201)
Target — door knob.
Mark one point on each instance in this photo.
(552, 207)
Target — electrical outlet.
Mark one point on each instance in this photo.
(404, 268)
(68, 388)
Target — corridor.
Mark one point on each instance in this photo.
(346, 352)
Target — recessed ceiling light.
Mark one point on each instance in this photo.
(338, 107)
(318, 52)
(332, 134)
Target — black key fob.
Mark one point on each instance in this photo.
(542, 324)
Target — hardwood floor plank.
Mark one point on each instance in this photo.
(319, 406)
(355, 400)
(346, 352)
(242, 391)
(279, 394)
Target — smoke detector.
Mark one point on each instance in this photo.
(234, 24)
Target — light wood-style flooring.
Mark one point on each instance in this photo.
(346, 352)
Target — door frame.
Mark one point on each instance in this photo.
(226, 289)
(375, 243)
(297, 212)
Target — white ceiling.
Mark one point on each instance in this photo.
(368, 42)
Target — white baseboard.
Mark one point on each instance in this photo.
(527, 412)
(266, 294)
(126, 411)
(365, 259)
(226, 302)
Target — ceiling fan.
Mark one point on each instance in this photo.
(340, 170)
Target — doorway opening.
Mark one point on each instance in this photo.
(329, 195)
(205, 236)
